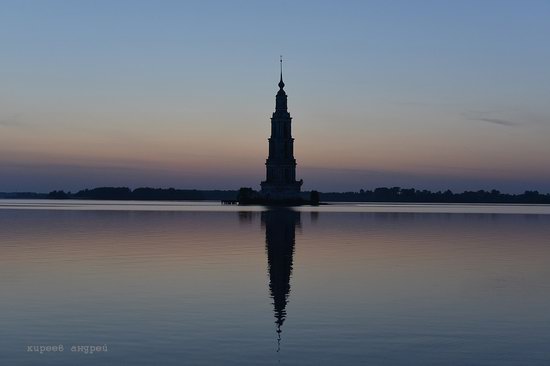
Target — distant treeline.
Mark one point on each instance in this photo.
(145, 194)
(395, 194)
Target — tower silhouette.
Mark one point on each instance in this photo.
(280, 182)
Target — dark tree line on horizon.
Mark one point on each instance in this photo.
(394, 194)
(397, 194)
(145, 194)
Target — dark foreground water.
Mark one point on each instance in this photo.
(203, 284)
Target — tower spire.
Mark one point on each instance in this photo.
(281, 83)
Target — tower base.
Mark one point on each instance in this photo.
(278, 192)
(275, 195)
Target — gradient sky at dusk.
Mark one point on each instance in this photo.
(429, 94)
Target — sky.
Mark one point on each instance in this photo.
(426, 94)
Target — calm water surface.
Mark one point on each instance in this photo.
(204, 284)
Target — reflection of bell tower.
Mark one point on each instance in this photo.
(280, 227)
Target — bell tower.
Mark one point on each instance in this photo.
(280, 182)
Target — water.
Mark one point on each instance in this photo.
(204, 284)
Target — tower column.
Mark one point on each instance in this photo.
(281, 180)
